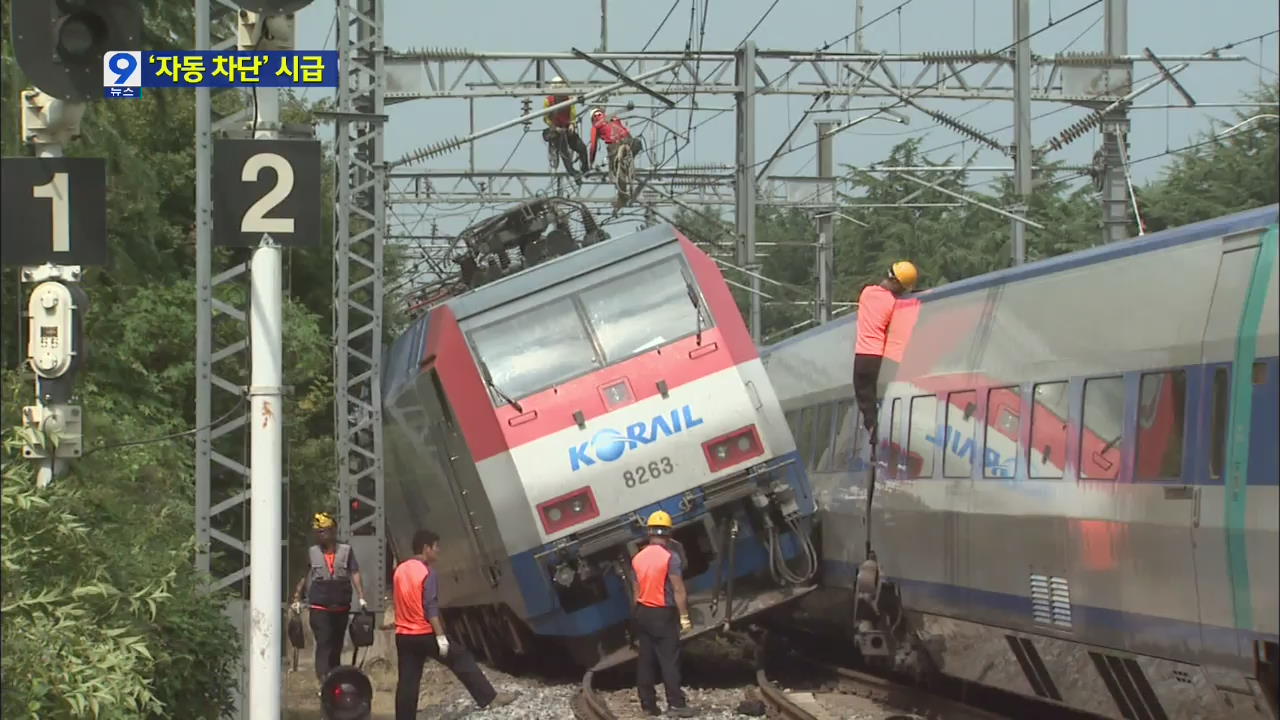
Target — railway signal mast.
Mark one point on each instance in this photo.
(266, 188)
(55, 218)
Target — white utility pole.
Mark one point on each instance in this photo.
(1021, 123)
(826, 220)
(266, 414)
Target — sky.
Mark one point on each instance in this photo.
(1165, 26)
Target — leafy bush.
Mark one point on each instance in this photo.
(94, 629)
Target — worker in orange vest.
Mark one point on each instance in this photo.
(332, 572)
(660, 594)
(875, 310)
(420, 634)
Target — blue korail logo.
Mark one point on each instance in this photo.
(608, 445)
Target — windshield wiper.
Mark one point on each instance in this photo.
(488, 380)
(697, 307)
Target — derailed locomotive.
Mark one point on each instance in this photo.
(535, 421)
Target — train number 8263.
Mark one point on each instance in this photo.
(644, 473)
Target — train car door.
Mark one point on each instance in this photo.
(464, 485)
(1217, 513)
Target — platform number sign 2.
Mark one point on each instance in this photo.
(55, 211)
(266, 187)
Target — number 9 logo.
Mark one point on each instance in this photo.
(121, 69)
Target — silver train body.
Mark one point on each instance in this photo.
(1077, 489)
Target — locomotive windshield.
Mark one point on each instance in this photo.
(647, 309)
(587, 327)
(536, 349)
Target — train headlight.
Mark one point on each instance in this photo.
(568, 510)
(565, 575)
(733, 448)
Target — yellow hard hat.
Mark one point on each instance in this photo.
(905, 273)
(659, 519)
(322, 521)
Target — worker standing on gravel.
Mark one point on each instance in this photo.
(420, 634)
(660, 593)
(331, 574)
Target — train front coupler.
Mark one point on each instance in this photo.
(778, 515)
(880, 629)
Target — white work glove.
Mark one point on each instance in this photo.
(443, 643)
(296, 607)
(363, 605)
(685, 623)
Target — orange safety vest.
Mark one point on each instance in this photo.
(411, 575)
(875, 309)
(651, 566)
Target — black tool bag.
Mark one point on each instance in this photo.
(296, 636)
(362, 629)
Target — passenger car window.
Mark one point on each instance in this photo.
(845, 436)
(644, 310)
(1102, 428)
(534, 350)
(1047, 456)
(822, 436)
(804, 435)
(962, 408)
(1004, 409)
(895, 436)
(1218, 430)
(1162, 404)
(921, 434)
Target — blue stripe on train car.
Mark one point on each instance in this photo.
(1014, 609)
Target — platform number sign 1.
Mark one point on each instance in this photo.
(55, 211)
(266, 187)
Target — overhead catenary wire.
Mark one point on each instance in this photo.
(908, 97)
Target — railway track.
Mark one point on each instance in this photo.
(587, 704)
(909, 701)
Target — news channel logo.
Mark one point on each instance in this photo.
(122, 74)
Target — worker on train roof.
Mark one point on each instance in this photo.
(660, 593)
(875, 310)
(332, 571)
(420, 633)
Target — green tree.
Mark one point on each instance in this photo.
(1220, 175)
(134, 488)
(94, 631)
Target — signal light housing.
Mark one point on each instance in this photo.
(59, 45)
(733, 448)
(568, 510)
(346, 694)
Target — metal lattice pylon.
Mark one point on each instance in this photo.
(222, 332)
(359, 226)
